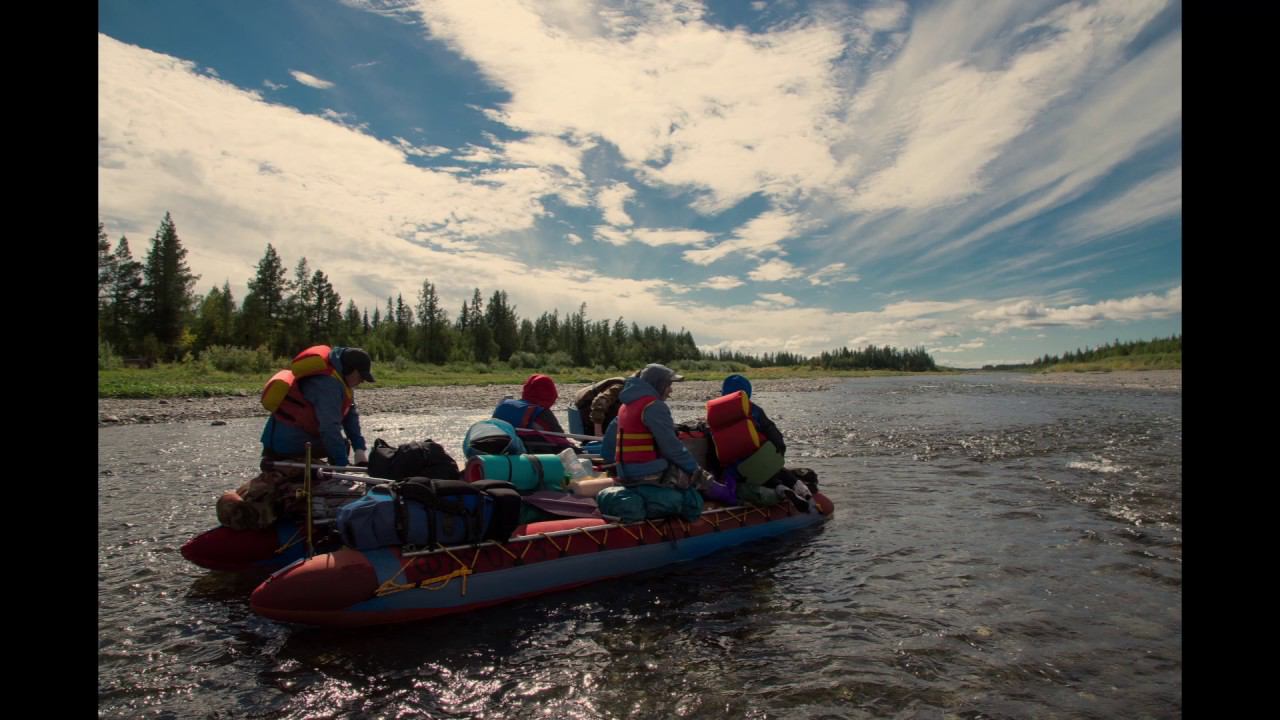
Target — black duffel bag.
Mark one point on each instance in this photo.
(424, 458)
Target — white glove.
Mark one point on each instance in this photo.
(362, 458)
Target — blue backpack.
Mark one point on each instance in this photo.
(423, 512)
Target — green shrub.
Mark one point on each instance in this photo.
(400, 363)
(107, 358)
(233, 359)
(523, 359)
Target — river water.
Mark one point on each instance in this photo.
(1000, 549)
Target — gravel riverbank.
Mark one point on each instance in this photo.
(372, 400)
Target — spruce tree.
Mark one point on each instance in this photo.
(263, 310)
(124, 301)
(167, 286)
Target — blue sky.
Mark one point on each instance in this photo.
(990, 180)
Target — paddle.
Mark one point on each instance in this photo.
(268, 464)
(571, 436)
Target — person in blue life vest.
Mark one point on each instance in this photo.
(642, 438)
(319, 406)
(533, 412)
(733, 384)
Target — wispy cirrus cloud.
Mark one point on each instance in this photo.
(833, 273)
(310, 80)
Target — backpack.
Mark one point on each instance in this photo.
(415, 459)
(506, 510)
(696, 436)
(426, 512)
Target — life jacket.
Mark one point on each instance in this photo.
(635, 443)
(734, 432)
(282, 395)
(520, 413)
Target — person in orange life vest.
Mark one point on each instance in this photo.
(643, 435)
(533, 410)
(284, 435)
(733, 384)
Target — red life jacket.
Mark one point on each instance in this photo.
(282, 394)
(732, 429)
(635, 443)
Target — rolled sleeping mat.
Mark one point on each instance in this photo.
(529, 473)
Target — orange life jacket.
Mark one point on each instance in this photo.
(635, 443)
(282, 394)
(734, 433)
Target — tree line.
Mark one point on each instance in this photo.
(1154, 346)
(149, 310)
(868, 358)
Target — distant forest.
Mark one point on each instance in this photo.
(148, 310)
(1155, 346)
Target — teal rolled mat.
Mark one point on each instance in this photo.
(529, 473)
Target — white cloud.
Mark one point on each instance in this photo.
(273, 86)
(573, 239)
(915, 308)
(774, 269)
(721, 282)
(684, 102)
(833, 273)
(1032, 314)
(612, 202)
(310, 80)
(419, 150)
(775, 299)
(962, 347)
(650, 236)
(763, 232)
(889, 16)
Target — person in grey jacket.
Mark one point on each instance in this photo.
(643, 437)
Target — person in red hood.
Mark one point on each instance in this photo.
(533, 411)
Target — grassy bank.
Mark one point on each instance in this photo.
(1163, 361)
(194, 380)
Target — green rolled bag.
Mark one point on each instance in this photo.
(529, 473)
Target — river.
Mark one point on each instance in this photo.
(1000, 549)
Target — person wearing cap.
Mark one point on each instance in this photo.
(320, 407)
(643, 439)
(533, 412)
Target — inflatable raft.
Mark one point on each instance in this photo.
(352, 588)
(267, 549)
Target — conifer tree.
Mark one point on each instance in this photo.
(263, 313)
(123, 312)
(167, 286)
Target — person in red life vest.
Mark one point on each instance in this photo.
(319, 406)
(643, 436)
(533, 412)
